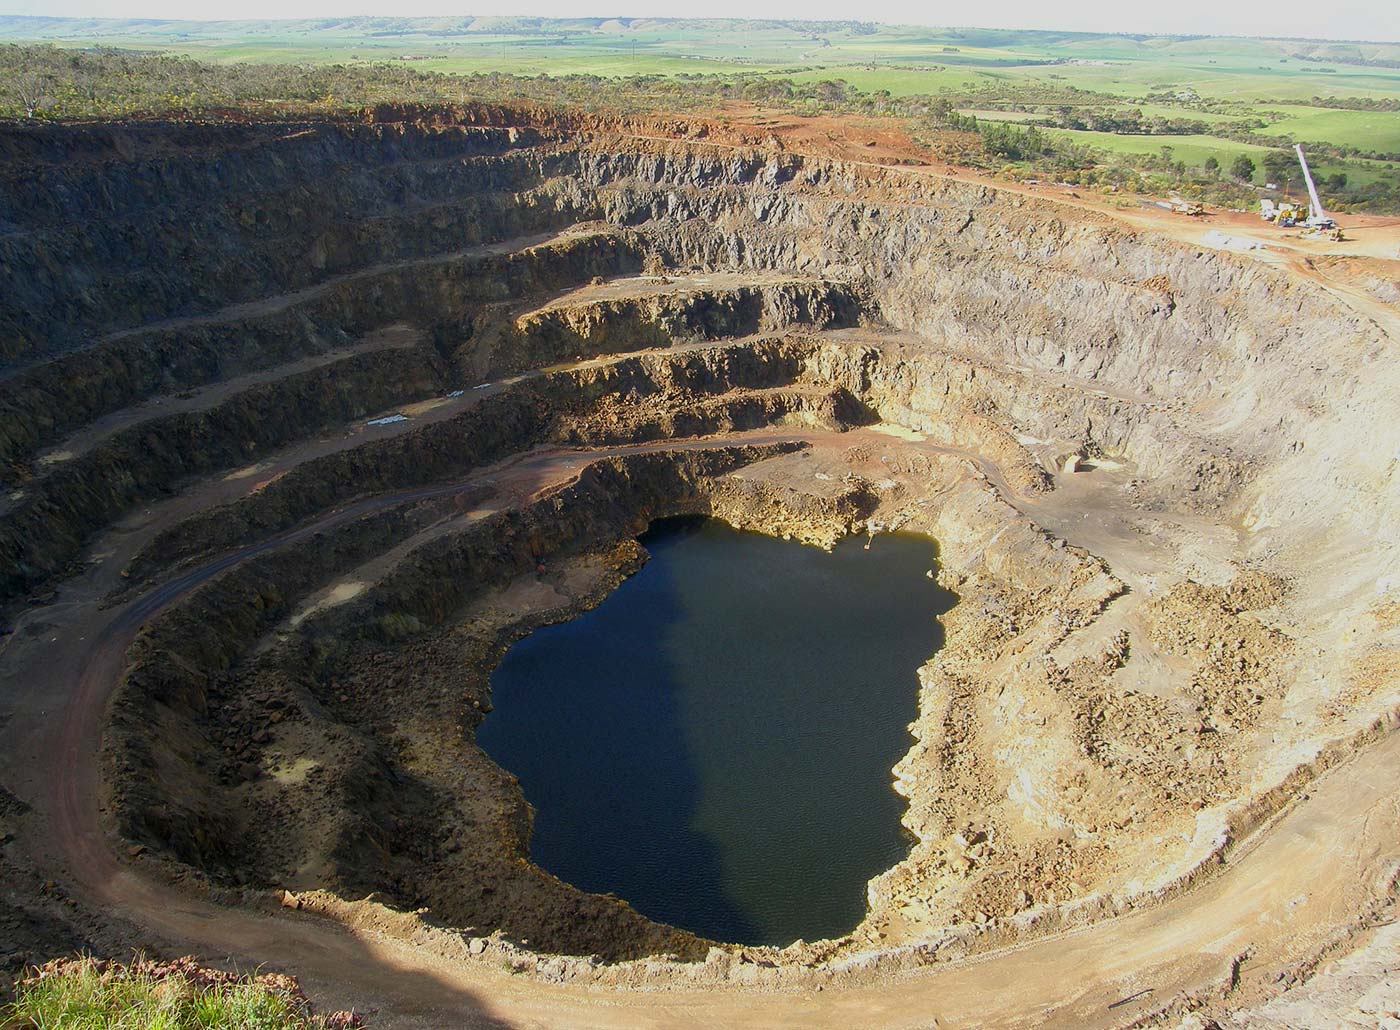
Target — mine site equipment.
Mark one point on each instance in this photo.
(1317, 217)
(1285, 214)
(1177, 205)
(1314, 219)
(1192, 208)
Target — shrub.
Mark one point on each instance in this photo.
(94, 994)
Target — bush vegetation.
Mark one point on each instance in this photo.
(94, 994)
(54, 83)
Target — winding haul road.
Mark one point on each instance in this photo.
(1283, 897)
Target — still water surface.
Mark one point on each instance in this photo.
(714, 742)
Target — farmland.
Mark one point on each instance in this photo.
(1122, 97)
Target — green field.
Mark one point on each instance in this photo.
(1191, 149)
(1234, 95)
(1367, 130)
(1231, 79)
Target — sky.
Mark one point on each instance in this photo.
(1332, 19)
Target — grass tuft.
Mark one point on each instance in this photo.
(94, 994)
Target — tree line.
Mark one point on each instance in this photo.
(48, 82)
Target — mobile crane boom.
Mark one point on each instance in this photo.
(1317, 218)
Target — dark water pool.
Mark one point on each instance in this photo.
(714, 742)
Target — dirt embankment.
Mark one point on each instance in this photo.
(446, 290)
(53, 516)
(636, 398)
(229, 215)
(58, 506)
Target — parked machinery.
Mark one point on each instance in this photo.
(1316, 222)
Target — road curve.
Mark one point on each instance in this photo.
(1282, 897)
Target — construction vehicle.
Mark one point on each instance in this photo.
(1284, 214)
(1180, 206)
(1331, 233)
(1316, 222)
(1318, 219)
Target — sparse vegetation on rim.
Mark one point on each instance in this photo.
(1116, 111)
(86, 993)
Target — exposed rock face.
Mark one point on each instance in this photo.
(137, 223)
(1146, 660)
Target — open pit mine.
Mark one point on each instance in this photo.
(304, 426)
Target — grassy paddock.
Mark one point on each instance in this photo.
(1245, 95)
(1191, 149)
(94, 994)
(1195, 149)
(1365, 130)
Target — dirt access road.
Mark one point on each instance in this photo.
(1277, 903)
